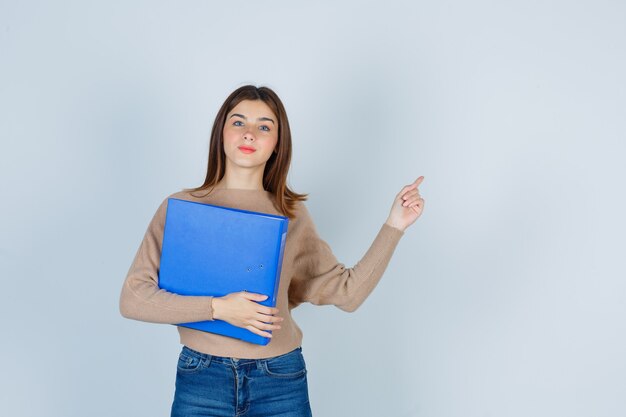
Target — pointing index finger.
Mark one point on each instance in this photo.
(417, 182)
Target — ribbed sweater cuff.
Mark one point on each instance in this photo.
(393, 232)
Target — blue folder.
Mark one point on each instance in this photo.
(214, 250)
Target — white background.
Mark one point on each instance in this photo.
(506, 298)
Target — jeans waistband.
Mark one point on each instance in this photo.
(230, 360)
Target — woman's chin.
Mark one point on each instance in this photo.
(248, 164)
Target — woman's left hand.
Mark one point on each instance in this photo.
(407, 206)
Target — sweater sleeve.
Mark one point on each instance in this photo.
(321, 279)
(142, 299)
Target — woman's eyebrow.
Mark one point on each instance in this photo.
(245, 118)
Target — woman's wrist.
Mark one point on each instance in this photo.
(215, 307)
(392, 224)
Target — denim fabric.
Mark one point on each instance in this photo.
(210, 385)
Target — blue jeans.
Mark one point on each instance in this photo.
(209, 385)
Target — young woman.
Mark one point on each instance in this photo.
(249, 157)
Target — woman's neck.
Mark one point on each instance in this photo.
(238, 185)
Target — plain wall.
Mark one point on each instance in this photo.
(506, 298)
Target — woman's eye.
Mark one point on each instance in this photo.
(268, 129)
(236, 121)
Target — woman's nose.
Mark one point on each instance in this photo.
(248, 135)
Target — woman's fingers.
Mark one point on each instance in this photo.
(266, 310)
(406, 189)
(257, 331)
(411, 188)
(270, 319)
(413, 201)
(264, 326)
(258, 307)
(253, 296)
(411, 195)
(417, 203)
(266, 314)
(262, 317)
(257, 327)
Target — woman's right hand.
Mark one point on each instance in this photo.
(242, 310)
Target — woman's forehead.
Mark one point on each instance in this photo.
(253, 109)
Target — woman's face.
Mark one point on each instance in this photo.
(250, 124)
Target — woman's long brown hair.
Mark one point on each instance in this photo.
(277, 166)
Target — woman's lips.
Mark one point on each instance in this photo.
(245, 149)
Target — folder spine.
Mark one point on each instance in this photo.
(281, 252)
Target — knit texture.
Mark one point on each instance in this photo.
(310, 273)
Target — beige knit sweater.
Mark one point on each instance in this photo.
(310, 273)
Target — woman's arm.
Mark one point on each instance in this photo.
(321, 279)
(142, 299)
